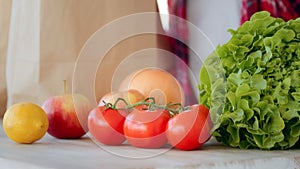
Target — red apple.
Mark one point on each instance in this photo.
(130, 96)
(67, 115)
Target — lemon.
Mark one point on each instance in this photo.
(25, 122)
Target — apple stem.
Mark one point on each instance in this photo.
(65, 87)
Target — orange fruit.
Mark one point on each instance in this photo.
(154, 82)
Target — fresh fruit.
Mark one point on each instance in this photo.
(154, 82)
(25, 122)
(68, 115)
(106, 125)
(189, 129)
(130, 96)
(146, 128)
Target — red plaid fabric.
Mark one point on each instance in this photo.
(180, 29)
(285, 9)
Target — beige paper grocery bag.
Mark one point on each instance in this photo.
(46, 37)
(23, 57)
(5, 10)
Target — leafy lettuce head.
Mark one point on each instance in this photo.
(256, 103)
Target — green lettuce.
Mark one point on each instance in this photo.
(252, 85)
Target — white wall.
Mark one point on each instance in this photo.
(213, 18)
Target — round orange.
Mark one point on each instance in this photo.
(154, 82)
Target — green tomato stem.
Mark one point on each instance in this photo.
(173, 108)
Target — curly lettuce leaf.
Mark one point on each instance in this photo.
(252, 85)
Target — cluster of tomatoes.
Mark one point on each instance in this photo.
(148, 125)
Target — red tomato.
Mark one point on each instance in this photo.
(190, 129)
(106, 125)
(146, 129)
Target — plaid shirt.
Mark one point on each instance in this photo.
(285, 9)
(180, 28)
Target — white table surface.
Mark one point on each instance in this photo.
(50, 152)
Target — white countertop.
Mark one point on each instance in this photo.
(50, 152)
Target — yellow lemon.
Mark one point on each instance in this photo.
(25, 122)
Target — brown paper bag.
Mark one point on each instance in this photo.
(46, 37)
(5, 9)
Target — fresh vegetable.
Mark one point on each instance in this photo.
(106, 125)
(146, 128)
(189, 129)
(252, 85)
(146, 124)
